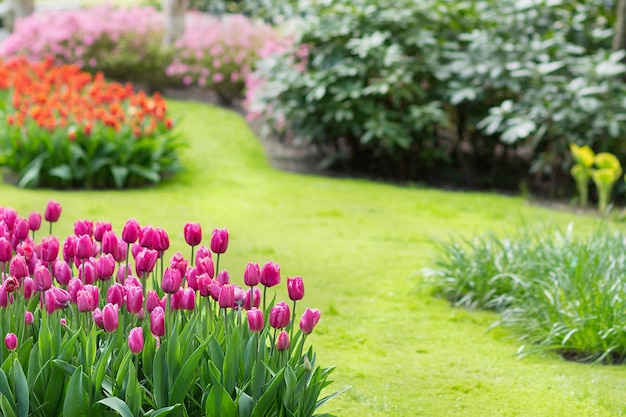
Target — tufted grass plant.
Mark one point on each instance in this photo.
(557, 290)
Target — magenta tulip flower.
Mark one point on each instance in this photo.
(69, 249)
(100, 229)
(10, 341)
(83, 227)
(219, 240)
(6, 298)
(256, 321)
(73, 287)
(203, 283)
(34, 221)
(97, 318)
(84, 247)
(21, 228)
(280, 315)
(42, 278)
(160, 240)
(171, 281)
(223, 278)
(135, 340)
(203, 252)
(6, 251)
(109, 242)
(134, 299)
(105, 266)
(110, 318)
(130, 232)
(176, 300)
(247, 299)
(310, 317)
(29, 288)
(282, 341)
(147, 237)
(157, 321)
(226, 296)
(145, 261)
(270, 274)
(193, 234)
(115, 294)
(188, 301)
(87, 272)
(53, 211)
(62, 272)
(51, 301)
(49, 248)
(154, 301)
(295, 288)
(18, 267)
(28, 317)
(205, 266)
(62, 296)
(252, 274)
(179, 263)
(85, 301)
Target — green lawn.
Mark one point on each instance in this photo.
(360, 247)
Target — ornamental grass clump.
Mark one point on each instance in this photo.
(558, 291)
(64, 128)
(90, 332)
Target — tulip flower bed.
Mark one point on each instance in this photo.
(63, 128)
(88, 334)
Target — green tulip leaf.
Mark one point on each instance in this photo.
(117, 405)
(76, 402)
(22, 393)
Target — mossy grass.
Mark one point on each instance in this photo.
(360, 247)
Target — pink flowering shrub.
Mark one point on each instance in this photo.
(223, 56)
(124, 44)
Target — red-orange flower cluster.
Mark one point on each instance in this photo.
(64, 97)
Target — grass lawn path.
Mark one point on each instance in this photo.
(360, 247)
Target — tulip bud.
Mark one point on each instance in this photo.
(85, 301)
(191, 275)
(97, 318)
(53, 211)
(310, 317)
(160, 240)
(109, 242)
(10, 340)
(135, 340)
(219, 240)
(295, 288)
(252, 275)
(145, 261)
(157, 321)
(256, 321)
(105, 266)
(101, 229)
(282, 341)
(189, 299)
(147, 237)
(177, 300)
(134, 299)
(280, 315)
(83, 227)
(62, 297)
(226, 296)
(51, 301)
(28, 317)
(171, 281)
(270, 274)
(83, 247)
(6, 251)
(18, 267)
(10, 214)
(21, 228)
(109, 318)
(62, 272)
(34, 221)
(203, 283)
(49, 248)
(115, 294)
(63, 321)
(130, 232)
(193, 234)
(42, 278)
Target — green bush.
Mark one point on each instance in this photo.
(482, 93)
(558, 291)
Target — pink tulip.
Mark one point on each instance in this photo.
(238, 297)
(280, 315)
(53, 211)
(110, 318)
(226, 296)
(42, 278)
(115, 294)
(134, 299)
(100, 229)
(63, 321)
(191, 276)
(295, 288)
(189, 299)
(18, 267)
(49, 248)
(147, 237)
(179, 263)
(62, 272)
(10, 340)
(85, 301)
(282, 341)
(21, 228)
(6, 251)
(252, 274)
(83, 227)
(51, 301)
(193, 234)
(28, 317)
(34, 221)
(87, 272)
(29, 288)
(73, 287)
(256, 321)
(69, 249)
(204, 285)
(10, 284)
(223, 278)
(171, 281)
(62, 297)
(6, 298)
(135, 340)
(145, 261)
(214, 289)
(219, 240)
(270, 274)
(123, 273)
(203, 252)
(310, 317)
(157, 321)
(130, 232)
(120, 254)
(109, 242)
(10, 214)
(177, 300)
(160, 240)
(247, 300)
(105, 266)
(97, 318)
(205, 266)
(84, 247)
(154, 301)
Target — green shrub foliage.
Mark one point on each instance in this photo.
(483, 93)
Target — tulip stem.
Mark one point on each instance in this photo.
(217, 265)
(127, 258)
(251, 298)
(192, 250)
(291, 326)
(50, 228)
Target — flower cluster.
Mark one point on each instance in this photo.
(62, 107)
(190, 321)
